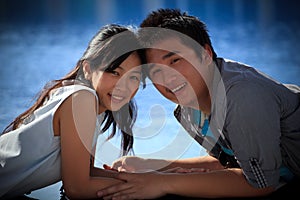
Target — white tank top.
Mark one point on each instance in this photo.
(30, 155)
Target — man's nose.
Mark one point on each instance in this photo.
(169, 75)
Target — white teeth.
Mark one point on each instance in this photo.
(117, 97)
(178, 87)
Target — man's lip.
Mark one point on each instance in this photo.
(178, 88)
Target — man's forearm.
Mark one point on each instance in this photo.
(207, 162)
(216, 184)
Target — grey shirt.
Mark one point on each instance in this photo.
(259, 119)
(262, 123)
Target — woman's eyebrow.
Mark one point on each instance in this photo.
(136, 71)
(150, 65)
(132, 71)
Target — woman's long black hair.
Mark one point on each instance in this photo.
(106, 51)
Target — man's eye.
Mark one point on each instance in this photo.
(175, 60)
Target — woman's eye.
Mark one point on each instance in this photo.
(155, 72)
(135, 78)
(115, 73)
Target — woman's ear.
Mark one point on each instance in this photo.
(87, 70)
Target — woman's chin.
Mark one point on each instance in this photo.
(117, 106)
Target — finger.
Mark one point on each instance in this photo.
(199, 170)
(114, 189)
(173, 170)
(121, 169)
(116, 164)
(129, 168)
(124, 197)
(183, 170)
(120, 195)
(108, 167)
(126, 169)
(105, 166)
(128, 194)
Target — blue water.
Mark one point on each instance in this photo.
(37, 47)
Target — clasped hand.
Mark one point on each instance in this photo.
(140, 181)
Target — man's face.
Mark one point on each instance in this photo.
(176, 71)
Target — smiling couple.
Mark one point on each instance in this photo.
(248, 123)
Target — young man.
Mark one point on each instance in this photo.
(249, 123)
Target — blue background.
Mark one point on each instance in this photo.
(41, 40)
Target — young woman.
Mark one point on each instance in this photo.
(248, 123)
(55, 138)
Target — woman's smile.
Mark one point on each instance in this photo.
(117, 98)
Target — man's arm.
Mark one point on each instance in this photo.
(206, 162)
(137, 164)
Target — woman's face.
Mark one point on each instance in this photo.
(116, 88)
(177, 72)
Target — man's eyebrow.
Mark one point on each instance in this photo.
(170, 54)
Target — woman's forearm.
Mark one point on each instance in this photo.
(98, 172)
(87, 188)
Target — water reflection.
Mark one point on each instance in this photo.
(43, 42)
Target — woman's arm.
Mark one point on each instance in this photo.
(77, 122)
(214, 184)
(97, 172)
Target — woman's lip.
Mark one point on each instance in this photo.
(116, 98)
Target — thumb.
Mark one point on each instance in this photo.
(107, 167)
(116, 164)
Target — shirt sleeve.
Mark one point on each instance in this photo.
(253, 128)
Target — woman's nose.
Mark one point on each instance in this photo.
(120, 84)
(125, 83)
